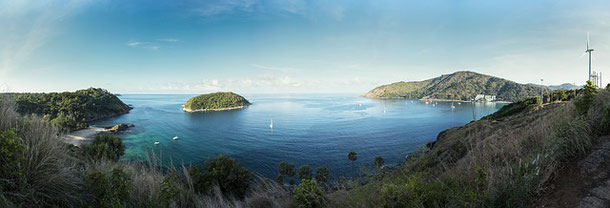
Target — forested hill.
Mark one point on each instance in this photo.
(70, 110)
(215, 101)
(462, 85)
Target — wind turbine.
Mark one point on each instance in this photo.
(589, 50)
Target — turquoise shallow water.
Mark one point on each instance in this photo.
(314, 129)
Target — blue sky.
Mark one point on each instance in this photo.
(291, 46)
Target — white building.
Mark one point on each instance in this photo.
(487, 98)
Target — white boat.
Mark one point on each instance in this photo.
(427, 103)
(452, 106)
(157, 142)
(271, 125)
(175, 138)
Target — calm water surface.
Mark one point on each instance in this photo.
(314, 129)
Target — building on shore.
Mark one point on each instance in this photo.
(485, 98)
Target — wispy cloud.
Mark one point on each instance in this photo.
(154, 45)
(170, 40)
(275, 68)
(28, 25)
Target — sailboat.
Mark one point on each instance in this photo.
(271, 124)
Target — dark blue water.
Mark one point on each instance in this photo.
(309, 129)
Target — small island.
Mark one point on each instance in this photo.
(219, 101)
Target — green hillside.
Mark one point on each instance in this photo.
(70, 110)
(463, 85)
(215, 101)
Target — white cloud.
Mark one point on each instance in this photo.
(275, 68)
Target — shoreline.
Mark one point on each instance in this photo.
(78, 137)
(211, 110)
(435, 99)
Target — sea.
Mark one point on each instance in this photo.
(308, 129)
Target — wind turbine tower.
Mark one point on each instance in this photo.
(589, 50)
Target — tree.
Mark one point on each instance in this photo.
(286, 169)
(322, 174)
(105, 146)
(304, 172)
(352, 156)
(223, 171)
(586, 97)
(379, 161)
(308, 195)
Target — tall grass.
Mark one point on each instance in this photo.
(50, 175)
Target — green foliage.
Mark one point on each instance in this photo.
(171, 188)
(322, 174)
(308, 195)
(285, 169)
(352, 156)
(515, 108)
(585, 98)
(463, 85)
(216, 100)
(11, 160)
(69, 110)
(225, 172)
(379, 161)
(605, 122)
(304, 172)
(110, 189)
(104, 146)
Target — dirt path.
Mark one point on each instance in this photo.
(585, 183)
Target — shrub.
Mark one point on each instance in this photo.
(586, 97)
(11, 161)
(305, 172)
(171, 188)
(308, 195)
(110, 189)
(285, 169)
(322, 174)
(225, 172)
(105, 146)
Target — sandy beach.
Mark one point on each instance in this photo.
(78, 137)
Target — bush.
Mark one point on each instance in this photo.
(585, 98)
(110, 190)
(105, 146)
(379, 161)
(171, 188)
(308, 195)
(11, 161)
(225, 172)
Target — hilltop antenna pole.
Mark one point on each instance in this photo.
(542, 90)
(589, 50)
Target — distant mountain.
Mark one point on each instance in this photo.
(566, 86)
(462, 85)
